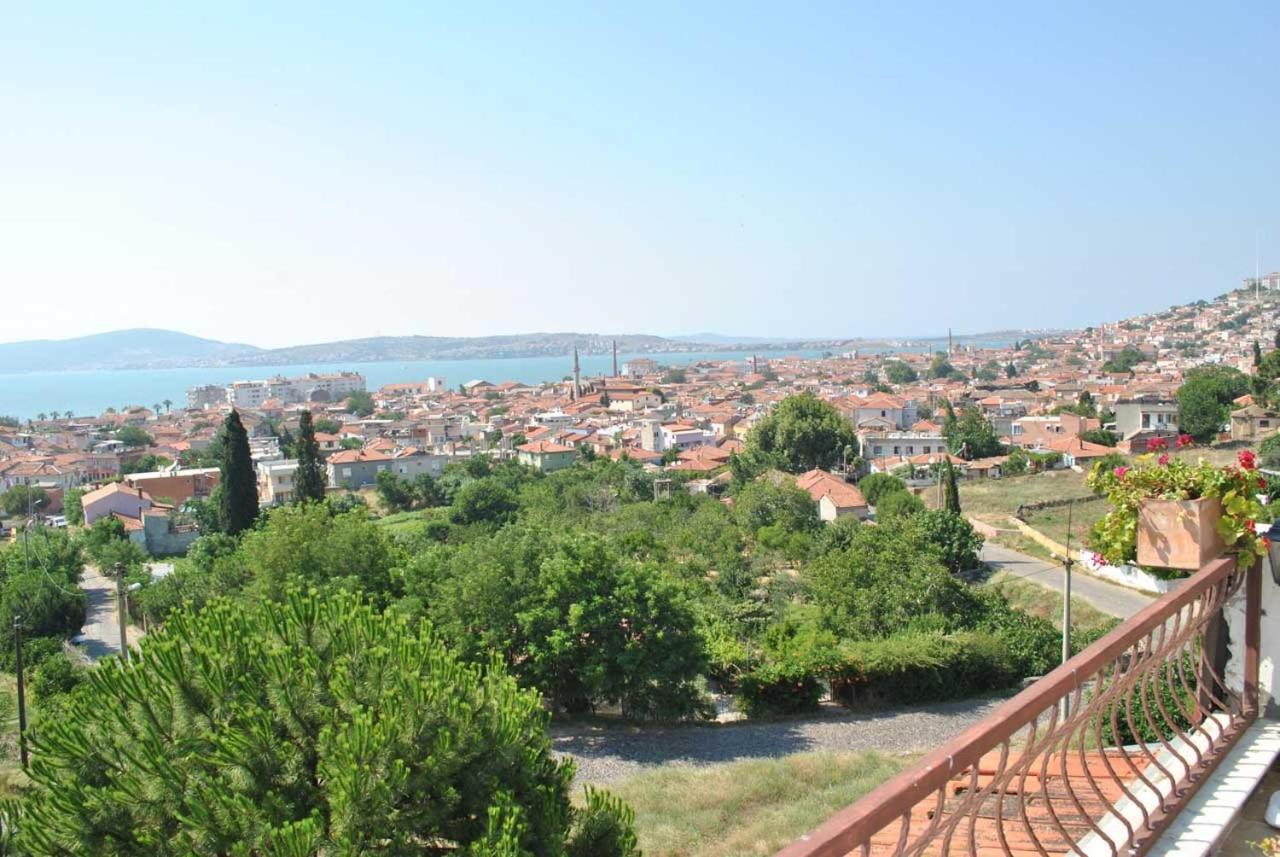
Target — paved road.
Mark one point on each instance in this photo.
(100, 635)
(610, 753)
(1116, 600)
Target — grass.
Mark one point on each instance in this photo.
(996, 500)
(753, 807)
(1022, 544)
(1047, 603)
(405, 521)
(1053, 522)
(11, 773)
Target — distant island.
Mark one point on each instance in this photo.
(148, 348)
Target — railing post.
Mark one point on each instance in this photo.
(1252, 636)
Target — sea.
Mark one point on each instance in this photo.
(28, 394)
(25, 395)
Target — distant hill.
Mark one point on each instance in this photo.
(141, 348)
(461, 348)
(721, 339)
(165, 349)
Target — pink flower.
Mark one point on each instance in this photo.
(1163, 460)
(1099, 559)
(1157, 443)
(1184, 440)
(1247, 459)
(1120, 472)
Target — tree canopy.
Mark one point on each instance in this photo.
(304, 727)
(1205, 397)
(238, 487)
(309, 478)
(803, 432)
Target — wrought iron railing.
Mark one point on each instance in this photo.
(1095, 758)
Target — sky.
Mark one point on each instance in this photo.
(285, 173)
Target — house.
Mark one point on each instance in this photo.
(359, 468)
(1148, 417)
(177, 485)
(275, 482)
(118, 499)
(1077, 452)
(835, 497)
(355, 468)
(546, 456)
(883, 444)
(1253, 422)
(883, 411)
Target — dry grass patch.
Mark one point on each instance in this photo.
(747, 808)
(1047, 603)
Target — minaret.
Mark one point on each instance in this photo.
(615, 358)
(949, 346)
(577, 377)
(754, 369)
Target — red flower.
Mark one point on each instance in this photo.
(1163, 460)
(1184, 440)
(1247, 459)
(1157, 443)
(1120, 472)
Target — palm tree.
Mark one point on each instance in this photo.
(155, 408)
(68, 414)
(168, 406)
(42, 416)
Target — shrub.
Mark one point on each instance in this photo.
(879, 485)
(900, 504)
(920, 668)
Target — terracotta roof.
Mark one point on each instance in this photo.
(819, 483)
(543, 447)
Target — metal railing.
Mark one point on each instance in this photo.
(1095, 758)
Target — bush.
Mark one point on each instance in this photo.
(919, 668)
(779, 689)
(55, 675)
(900, 504)
(879, 485)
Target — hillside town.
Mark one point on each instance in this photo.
(143, 463)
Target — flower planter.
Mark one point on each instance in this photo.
(1179, 533)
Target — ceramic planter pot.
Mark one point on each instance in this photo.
(1179, 533)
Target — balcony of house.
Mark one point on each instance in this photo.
(1152, 740)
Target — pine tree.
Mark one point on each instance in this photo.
(392, 740)
(309, 478)
(238, 489)
(950, 490)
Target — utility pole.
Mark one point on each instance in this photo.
(1066, 607)
(22, 694)
(121, 606)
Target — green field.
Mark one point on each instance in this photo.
(745, 808)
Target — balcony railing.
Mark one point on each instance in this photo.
(1095, 758)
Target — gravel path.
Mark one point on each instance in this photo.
(606, 753)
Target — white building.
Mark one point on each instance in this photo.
(275, 482)
(312, 387)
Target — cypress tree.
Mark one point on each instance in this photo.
(1257, 355)
(950, 490)
(238, 491)
(309, 478)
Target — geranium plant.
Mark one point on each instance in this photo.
(1237, 486)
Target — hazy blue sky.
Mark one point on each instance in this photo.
(279, 173)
